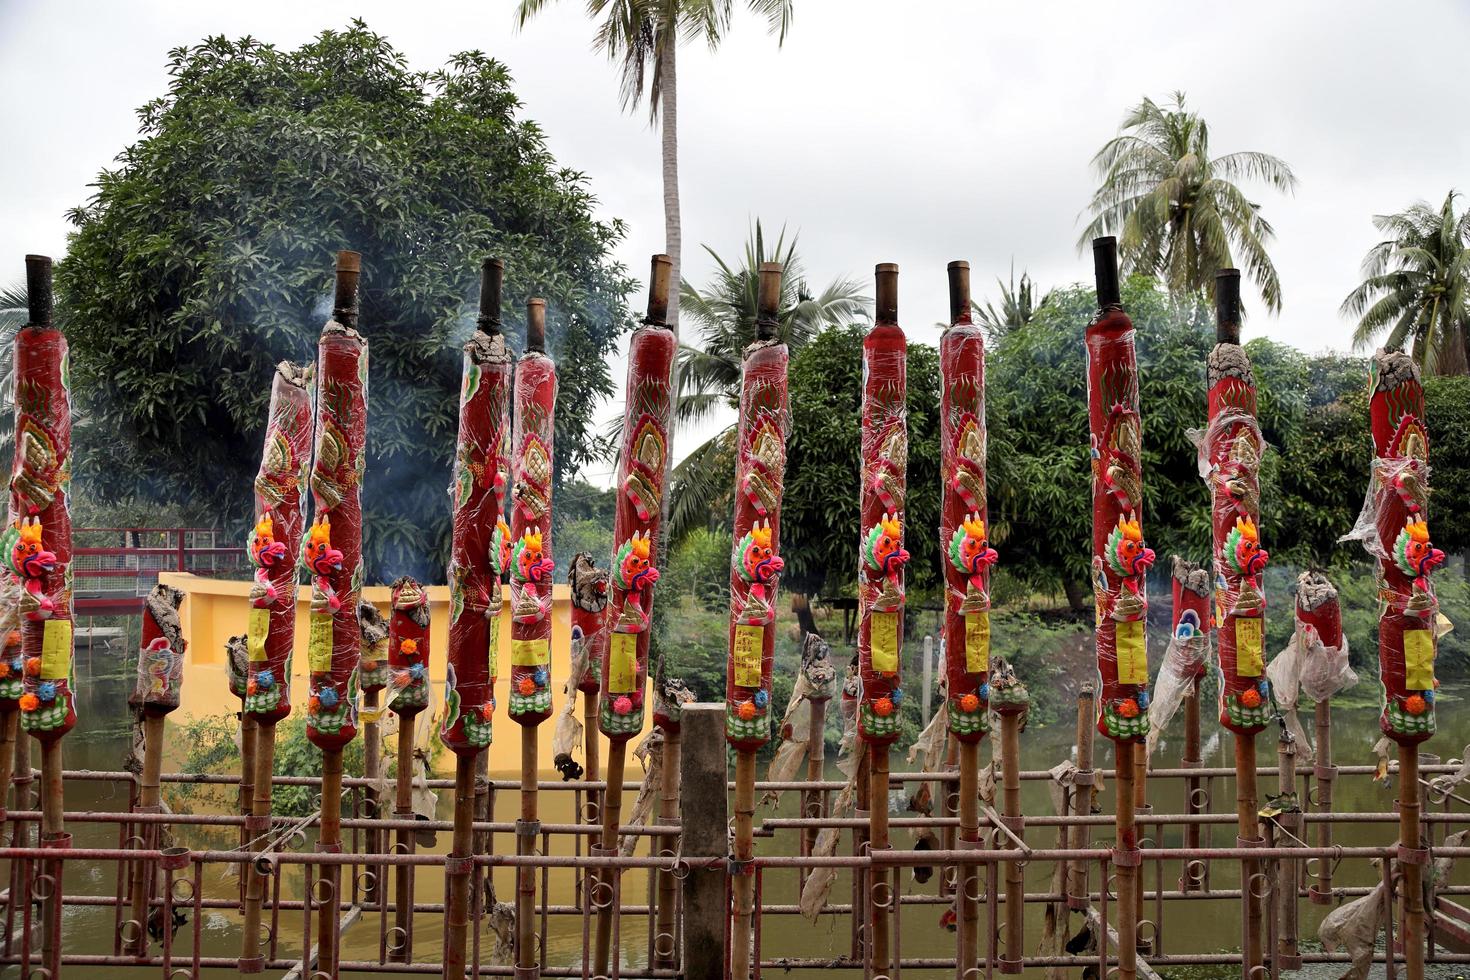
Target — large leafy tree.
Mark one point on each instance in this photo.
(708, 372)
(1416, 287)
(643, 37)
(819, 511)
(1179, 212)
(206, 256)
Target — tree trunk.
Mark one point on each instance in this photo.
(801, 604)
(1078, 595)
(669, 129)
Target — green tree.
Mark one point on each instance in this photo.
(708, 372)
(205, 257)
(14, 313)
(819, 515)
(1177, 211)
(1018, 307)
(1416, 285)
(1447, 403)
(643, 37)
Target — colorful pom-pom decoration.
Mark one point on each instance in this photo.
(1415, 704)
(327, 697)
(252, 687)
(33, 666)
(1128, 708)
(984, 692)
(637, 699)
(1143, 699)
(1250, 697)
(408, 647)
(883, 707)
(527, 686)
(897, 695)
(542, 677)
(416, 671)
(29, 702)
(969, 703)
(746, 711)
(314, 704)
(1429, 696)
(623, 705)
(4, 670)
(12, 639)
(762, 699)
(266, 679)
(487, 711)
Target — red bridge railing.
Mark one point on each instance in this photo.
(115, 567)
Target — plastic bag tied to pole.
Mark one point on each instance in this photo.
(36, 546)
(1230, 452)
(882, 556)
(408, 648)
(531, 567)
(1315, 659)
(332, 550)
(1188, 652)
(642, 461)
(275, 542)
(481, 545)
(963, 528)
(755, 558)
(1397, 512)
(588, 585)
(161, 652)
(1120, 557)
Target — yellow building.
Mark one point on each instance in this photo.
(216, 609)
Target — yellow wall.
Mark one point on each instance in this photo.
(215, 610)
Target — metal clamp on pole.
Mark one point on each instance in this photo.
(329, 847)
(1412, 855)
(528, 828)
(735, 868)
(1129, 857)
(1324, 774)
(458, 866)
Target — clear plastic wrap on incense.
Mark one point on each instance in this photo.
(1230, 462)
(161, 650)
(1188, 652)
(480, 549)
(531, 566)
(332, 551)
(1394, 527)
(640, 489)
(882, 557)
(408, 648)
(964, 536)
(588, 585)
(37, 543)
(1120, 558)
(274, 543)
(755, 559)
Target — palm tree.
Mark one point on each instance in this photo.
(1176, 210)
(1416, 284)
(1018, 306)
(643, 36)
(15, 312)
(707, 374)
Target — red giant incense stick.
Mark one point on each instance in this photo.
(1231, 460)
(641, 472)
(531, 565)
(332, 552)
(274, 543)
(408, 651)
(478, 553)
(1119, 561)
(755, 566)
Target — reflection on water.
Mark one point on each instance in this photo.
(101, 742)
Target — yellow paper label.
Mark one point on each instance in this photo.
(622, 665)
(494, 652)
(1250, 658)
(1419, 660)
(883, 642)
(530, 653)
(319, 643)
(255, 633)
(1132, 653)
(977, 642)
(371, 715)
(56, 650)
(750, 644)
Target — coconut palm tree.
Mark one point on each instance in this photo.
(1416, 285)
(14, 313)
(708, 373)
(1018, 305)
(1178, 212)
(643, 37)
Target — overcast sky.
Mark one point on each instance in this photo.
(912, 131)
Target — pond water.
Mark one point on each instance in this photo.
(101, 741)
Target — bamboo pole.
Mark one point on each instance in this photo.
(1288, 955)
(1246, 807)
(881, 896)
(329, 841)
(816, 764)
(9, 726)
(1190, 759)
(1412, 857)
(642, 481)
(1325, 774)
(408, 669)
(1124, 774)
(665, 956)
(457, 867)
(593, 751)
(1010, 761)
(744, 880)
(249, 735)
(372, 771)
(527, 963)
(257, 879)
(969, 884)
(402, 950)
(53, 833)
(1077, 890)
(149, 799)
